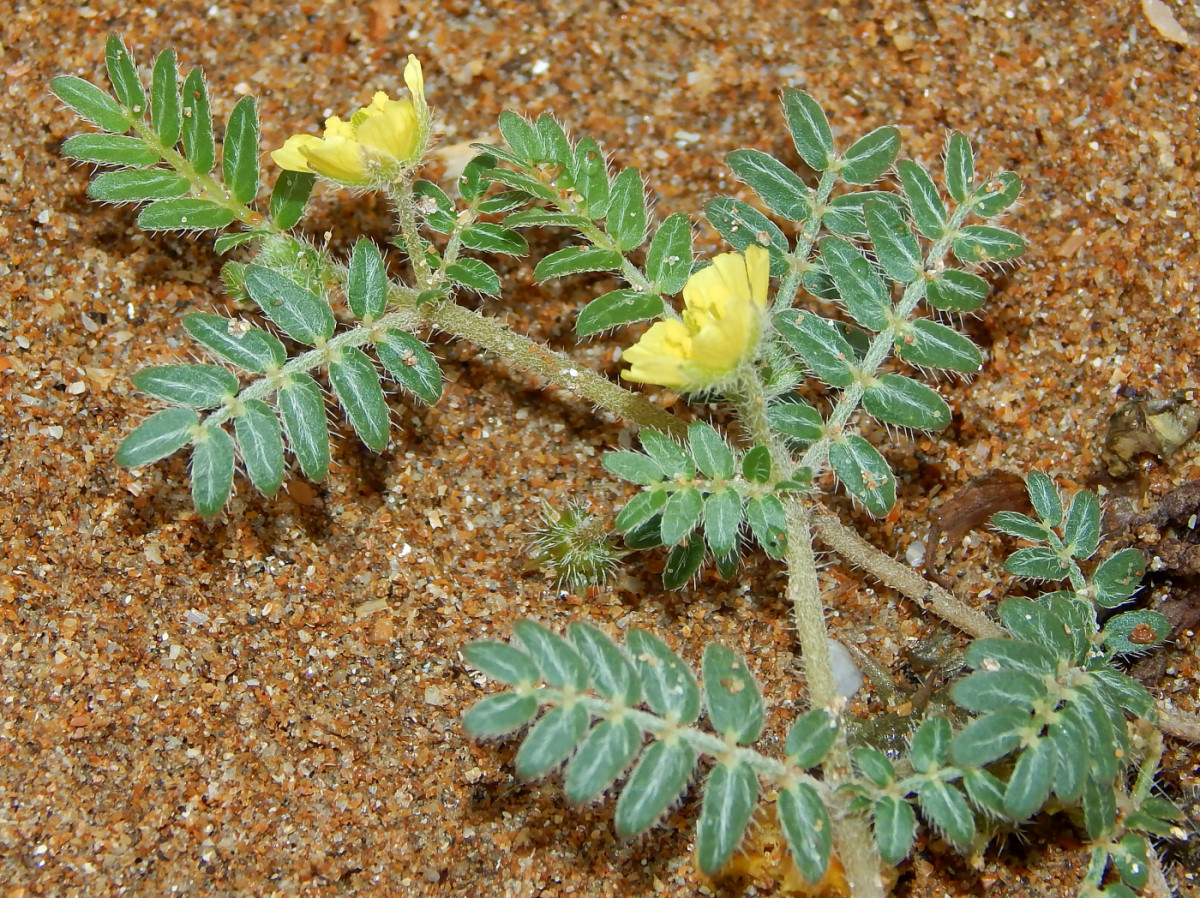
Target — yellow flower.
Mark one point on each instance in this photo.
(721, 326)
(378, 143)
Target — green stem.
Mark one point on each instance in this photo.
(204, 186)
(854, 845)
(528, 355)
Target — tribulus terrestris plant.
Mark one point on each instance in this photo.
(835, 303)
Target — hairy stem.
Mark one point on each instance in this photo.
(852, 840)
(529, 355)
(904, 580)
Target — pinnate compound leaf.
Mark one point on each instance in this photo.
(667, 454)
(137, 185)
(781, 189)
(493, 238)
(995, 690)
(1011, 654)
(603, 756)
(960, 167)
(521, 136)
(807, 828)
(122, 72)
(618, 307)
(980, 244)
(730, 796)
(551, 740)
(895, 245)
(1036, 563)
(302, 411)
(612, 673)
(503, 662)
(895, 824)
(626, 218)
(198, 144)
(667, 682)
(250, 348)
(575, 260)
(157, 437)
(864, 473)
(669, 258)
(366, 280)
(196, 386)
(874, 765)
(558, 661)
(870, 156)
(91, 103)
(184, 215)
(409, 361)
(1136, 631)
(289, 196)
(1043, 495)
(260, 440)
(928, 210)
(1099, 806)
(858, 284)
(930, 743)
(1081, 530)
(957, 291)
(1131, 858)
(555, 145)
(1118, 578)
(212, 470)
(844, 215)
(297, 311)
(499, 715)
(591, 177)
(723, 514)
(899, 400)
(109, 149)
(239, 152)
(634, 467)
(820, 345)
(1019, 525)
(356, 383)
(1035, 623)
(474, 274)
(811, 737)
(165, 115)
(928, 344)
(797, 419)
(809, 129)
(944, 806)
(742, 226)
(985, 790)
(661, 775)
(734, 703)
(989, 738)
(1030, 782)
(756, 464)
(683, 561)
(680, 515)
(712, 454)
(769, 524)
(996, 194)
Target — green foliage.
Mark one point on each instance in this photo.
(1043, 721)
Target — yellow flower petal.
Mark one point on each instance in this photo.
(390, 130)
(289, 156)
(336, 158)
(719, 331)
(415, 79)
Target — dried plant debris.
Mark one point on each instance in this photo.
(1145, 426)
(969, 509)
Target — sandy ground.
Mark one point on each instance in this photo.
(269, 704)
